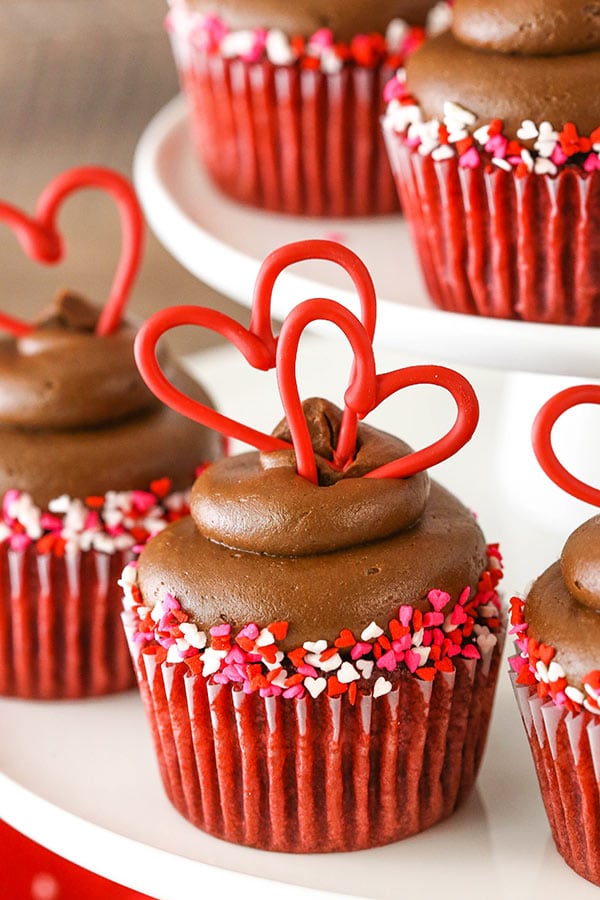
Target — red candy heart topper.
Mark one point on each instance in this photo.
(41, 240)
(264, 351)
(541, 435)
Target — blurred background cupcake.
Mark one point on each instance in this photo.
(284, 100)
(556, 670)
(90, 466)
(493, 134)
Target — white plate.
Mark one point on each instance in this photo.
(223, 244)
(81, 777)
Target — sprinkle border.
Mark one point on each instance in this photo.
(456, 137)
(536, 666)
(109, 523)
(208, 33)
(420, 642)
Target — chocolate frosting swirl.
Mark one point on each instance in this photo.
(318, 581)
(257, 502)
(580, 564)
(562, 608)
(511, 79)
(346, 18)
(65, 376)
(76, 417)
(532, 27)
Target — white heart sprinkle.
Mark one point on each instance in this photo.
(382, 686)
(528, 130)
(366, 667)
(347, 673)
(265, 638)
(315, 646)
(574, 694)
(315, 686)
(371, 632)
(329, 665)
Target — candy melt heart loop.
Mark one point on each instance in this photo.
(461, 432)
(41, 241)
(256, 348)
(544, 422)
(361, 392)
(300, 251)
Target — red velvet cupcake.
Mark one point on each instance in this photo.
(284, 101)
(90, 466)
(493, 134)
(317, 645)
(556, 672)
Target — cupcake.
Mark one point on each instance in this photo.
(556, 669)
(90, 465)
(284, 101)
(317, 644)
(493, 133)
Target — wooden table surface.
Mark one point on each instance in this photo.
(79, 81)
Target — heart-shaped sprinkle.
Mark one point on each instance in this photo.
(381, 687)
(371, 632)
(315, 686)
(345, 639)
(316, 647)
(365, 667)
(40, 239)
(347, 673)
(528, 131)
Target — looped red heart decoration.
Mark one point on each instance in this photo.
(264, 351)
(256, 348)
(360, 394)
(257, 343)
(541, 436)
(40, 238)
(365, 393)
(299, 251)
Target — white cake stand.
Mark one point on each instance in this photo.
(224, 243)
(81, 778)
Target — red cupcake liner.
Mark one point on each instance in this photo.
(494, 244)
(566, 752)
(60, 630)
(317, 775)
(289, 139)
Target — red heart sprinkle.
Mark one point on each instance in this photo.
(346, 639)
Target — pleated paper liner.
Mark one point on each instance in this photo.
(289, 139)
(60, 630)
(566, 753)
(317, 775)
(493, 244)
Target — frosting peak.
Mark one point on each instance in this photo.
(257, 502)
(580, 563)
(531, 27)
(62, 375)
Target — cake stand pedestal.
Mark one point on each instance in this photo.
(81, 777)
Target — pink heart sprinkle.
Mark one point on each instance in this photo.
(412, 660)
(438, 599)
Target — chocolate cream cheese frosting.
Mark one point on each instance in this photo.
(76, 417)
(514, 60)
(345, 18)
(263, 544)
(562, 608)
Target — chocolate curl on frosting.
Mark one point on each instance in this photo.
(41, 240)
